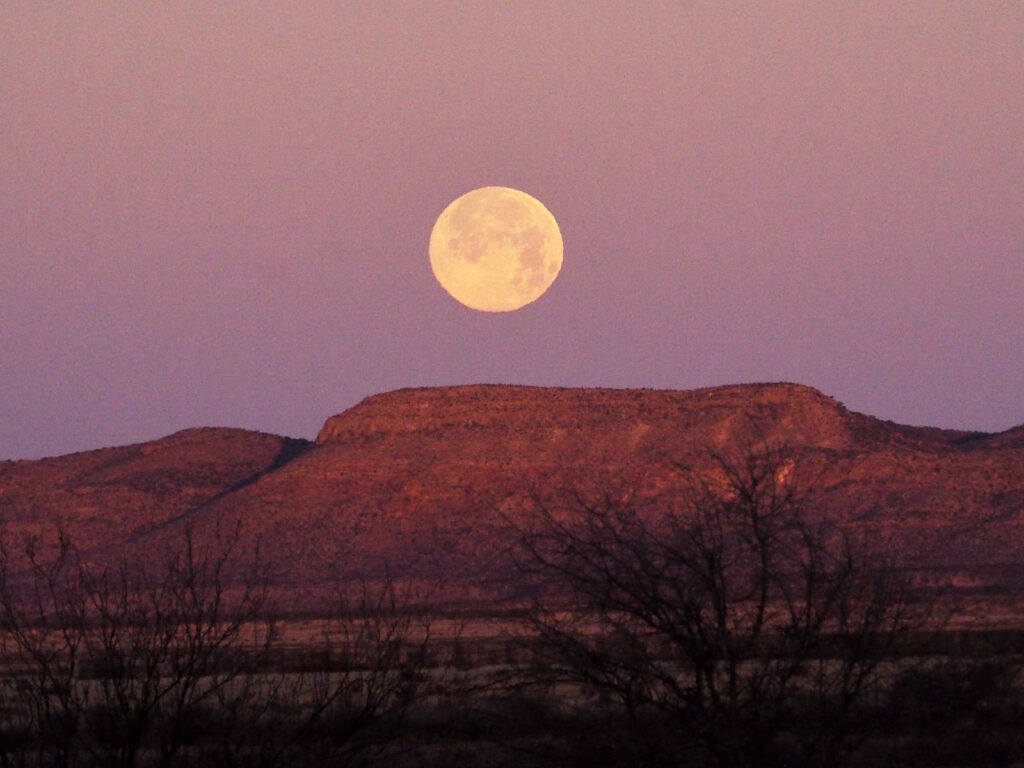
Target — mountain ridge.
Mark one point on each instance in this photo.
(419, 479)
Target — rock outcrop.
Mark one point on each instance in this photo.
(425, 481)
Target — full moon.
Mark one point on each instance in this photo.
(496, 249)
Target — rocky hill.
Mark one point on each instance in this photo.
(423, 481)
(116, 494)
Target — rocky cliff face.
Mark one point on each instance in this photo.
(637, 419)
(425, 480)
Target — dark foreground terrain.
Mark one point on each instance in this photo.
(114, 670)
(739, 576)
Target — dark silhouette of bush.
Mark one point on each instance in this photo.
(710, 620)
(153, 665)
(961, 711)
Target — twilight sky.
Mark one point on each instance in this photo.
(217, 213)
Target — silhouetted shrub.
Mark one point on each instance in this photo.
(711, 619)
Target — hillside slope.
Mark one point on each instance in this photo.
(420, 481)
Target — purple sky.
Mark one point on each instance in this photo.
(217, 213)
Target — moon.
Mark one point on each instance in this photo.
(496, 249)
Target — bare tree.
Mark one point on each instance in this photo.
(176, 663)
(719, 622)
(115, 665)
(344, 699)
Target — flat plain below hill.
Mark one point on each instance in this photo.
(422, 483)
